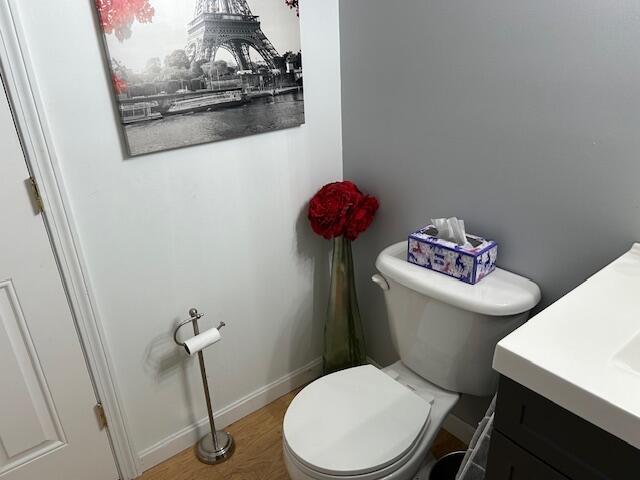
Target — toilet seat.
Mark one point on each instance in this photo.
(354, 423)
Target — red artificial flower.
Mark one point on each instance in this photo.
(117, 16)
(340, 208)
(329, 209)
(361, 217)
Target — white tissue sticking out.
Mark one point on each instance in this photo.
(451, 229)
(202, 341)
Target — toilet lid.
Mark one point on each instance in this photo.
(353, 422)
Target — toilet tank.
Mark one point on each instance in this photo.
(445, 330)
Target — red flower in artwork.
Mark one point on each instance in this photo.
(119, 85)
(340, 208)
(117, 16)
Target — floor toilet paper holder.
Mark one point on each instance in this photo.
(217, 446)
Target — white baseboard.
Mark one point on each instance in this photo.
(459, 428)
(188, 436)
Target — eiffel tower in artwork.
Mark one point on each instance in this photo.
(227, 24)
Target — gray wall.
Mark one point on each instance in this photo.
(522, 117)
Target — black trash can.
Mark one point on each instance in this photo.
(447, 467)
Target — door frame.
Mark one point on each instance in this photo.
(43, 164)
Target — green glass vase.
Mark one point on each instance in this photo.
(343, 334)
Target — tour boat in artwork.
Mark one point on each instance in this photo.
(222, 99)
(139, 112)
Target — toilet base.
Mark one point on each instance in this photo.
(425, 470)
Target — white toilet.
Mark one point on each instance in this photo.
(369, 424)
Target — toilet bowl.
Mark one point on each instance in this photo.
(329, 414)
(367, 423)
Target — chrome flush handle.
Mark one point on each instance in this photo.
(380, 281)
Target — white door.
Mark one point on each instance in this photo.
(48, 427)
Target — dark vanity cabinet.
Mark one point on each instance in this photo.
(535, 439)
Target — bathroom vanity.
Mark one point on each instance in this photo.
(569, 395)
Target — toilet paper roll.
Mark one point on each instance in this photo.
(202, 341)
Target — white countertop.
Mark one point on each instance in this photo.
(583, 352)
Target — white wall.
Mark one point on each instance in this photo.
(216, 226)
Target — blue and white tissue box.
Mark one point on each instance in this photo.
(469, 263)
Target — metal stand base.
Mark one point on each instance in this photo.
(206, 452)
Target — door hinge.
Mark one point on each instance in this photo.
(36, 198)
(100, 415)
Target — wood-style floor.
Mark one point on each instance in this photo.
(258, 454)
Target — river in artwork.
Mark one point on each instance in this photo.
(258, 116)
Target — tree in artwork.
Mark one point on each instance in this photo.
(117, 16)
(153, 67)
(177, 59)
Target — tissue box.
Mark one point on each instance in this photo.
(469, 263)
